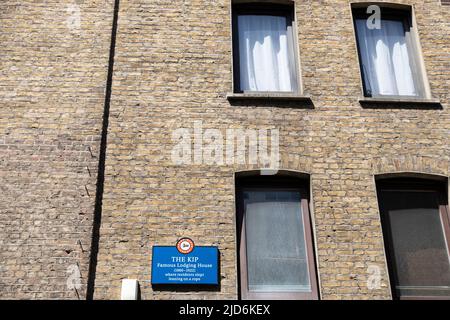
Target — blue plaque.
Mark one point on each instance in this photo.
(199, 267)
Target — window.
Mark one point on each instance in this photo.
(388, 54)
(263, 48)
(416, 228)
(275, 241)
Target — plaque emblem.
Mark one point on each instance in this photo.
(185, 245)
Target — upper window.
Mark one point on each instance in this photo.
(388, 52)
(275, 240)
(416, 228)
(264, 51)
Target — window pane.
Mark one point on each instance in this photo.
(276, 253)
(420, 253)
(386, 58)
(264, 53)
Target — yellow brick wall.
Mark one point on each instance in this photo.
(174, 65)
(53, 67)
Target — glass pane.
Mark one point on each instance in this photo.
(385, 58)
(276, 252)
(420, 252)
(264, 53)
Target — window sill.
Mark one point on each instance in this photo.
(400, 102)
(268, 96)
(286, 100)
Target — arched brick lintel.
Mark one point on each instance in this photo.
(288, 162)
(411, 165)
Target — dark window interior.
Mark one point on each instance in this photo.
(415, 222)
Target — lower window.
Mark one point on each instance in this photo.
(416, 229)
(275, 241)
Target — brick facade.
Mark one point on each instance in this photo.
(53, 66)
(173, 66)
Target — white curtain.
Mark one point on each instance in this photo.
(385, 58)
(276, 249)
(263, 53)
